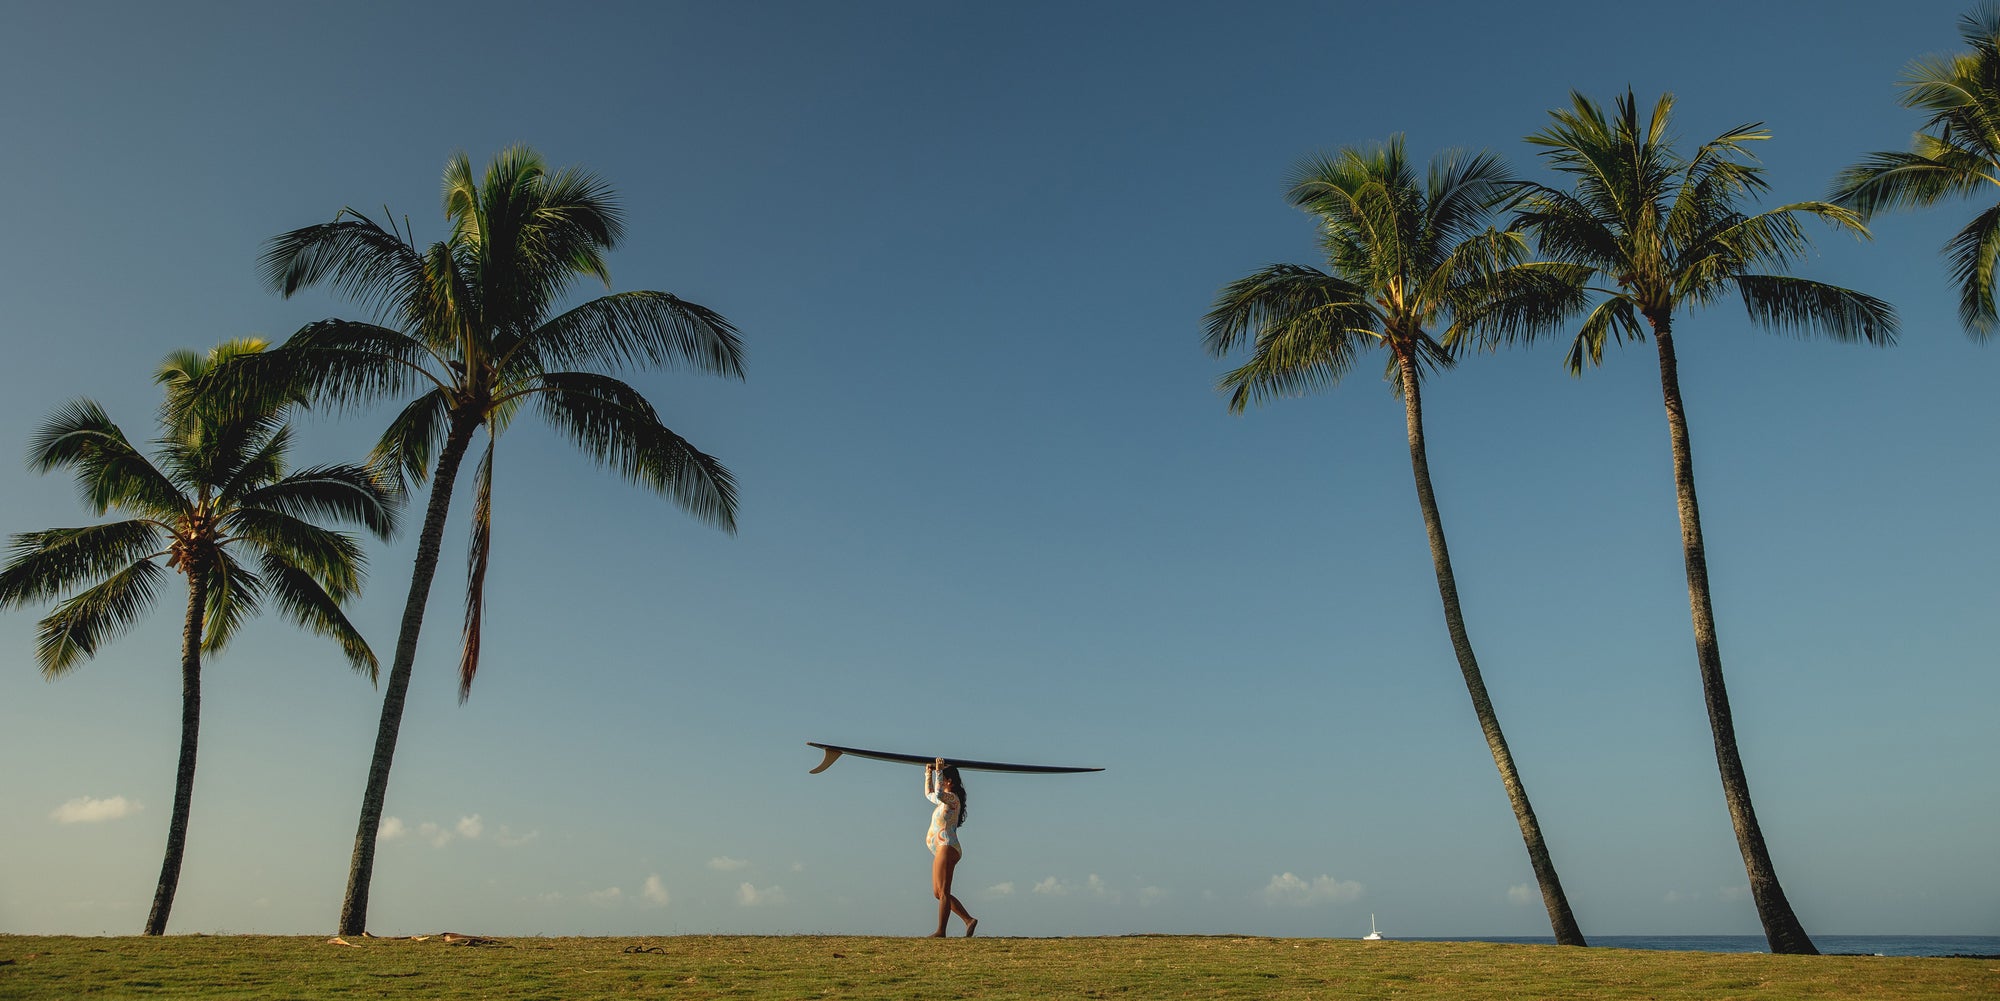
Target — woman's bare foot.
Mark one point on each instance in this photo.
(970, 925)
(935, 934)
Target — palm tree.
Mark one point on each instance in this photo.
(218, 507)
(469, 333)
(1955, 155)
(1405, 255)
(1660, 232)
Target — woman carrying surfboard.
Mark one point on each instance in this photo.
(943, 787)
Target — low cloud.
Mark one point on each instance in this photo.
(470, 827)
(85, 810)
(1001, 889)
(723, 863)
(550, 897)
(1734, 893)
(605, 897)
(437, 836)
(654, 891)
(1150, 895)
(1522, 893)
(390, 829)
(1093, 886)
(1288, 890)
(750, 896)
(508, 839)
(1677, 897)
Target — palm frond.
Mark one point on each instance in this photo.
(344, 493)
(373, 266)
(1613, 319)
(615, 425)
(1971, 253)
(1802, 307)
(300, 598)
(73, 631)
(478, 555)
(656, 328)
(233, 596)
(412, 440)
(110, 472)
(42, 565)
(333, 558)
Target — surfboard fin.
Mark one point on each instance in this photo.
(831, 757)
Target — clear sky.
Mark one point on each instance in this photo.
(991, 503)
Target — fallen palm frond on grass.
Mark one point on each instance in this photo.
(686, 968)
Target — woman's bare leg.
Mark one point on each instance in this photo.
(942, 865)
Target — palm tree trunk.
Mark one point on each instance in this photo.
(1561, 920)
(170, 867)
(361, 866)
(1781, 927)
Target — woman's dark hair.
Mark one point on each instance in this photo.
(950, 774)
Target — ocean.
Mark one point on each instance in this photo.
(1847, 945)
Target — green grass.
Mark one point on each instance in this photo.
(47, 968)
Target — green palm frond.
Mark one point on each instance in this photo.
(42, 565)
(300, 598)
(478, 554)
(1614, 320)
(1802, 307)
(412, 440)
(365, 262)
(615, 425)
(73, 631)
(342, 493)
(616, 330)
(110, 472)
(1971, 254)
(333, 558)
(233, 597)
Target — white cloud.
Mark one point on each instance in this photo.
(723, 863)
(470, 827)
(548, 898)
(1522, 893)
(1001, 889)
(750, 896)
(85, 810)
(1734, 893)
(654, 891)
(605, 897)
(390, 829)
(437, 836)
(798, 867)
(1150, 895)
(1093, 886)
(1676, 896)
(508, 839)
(1289, 890)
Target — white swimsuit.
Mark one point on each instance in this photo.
(944, 819)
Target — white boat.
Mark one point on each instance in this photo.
(1373, 935)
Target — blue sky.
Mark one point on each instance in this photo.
(992, 505)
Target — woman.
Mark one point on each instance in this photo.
(943, 787)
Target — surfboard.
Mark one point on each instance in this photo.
(834, 751)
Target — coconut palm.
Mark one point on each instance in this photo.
(220, 507)
(1657, 233)
(468, 330)
(1412, 262)
(1955, 155)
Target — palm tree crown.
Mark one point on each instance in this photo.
(1406, 256)
(1658, 232)
(1956, 154)
(220, 502)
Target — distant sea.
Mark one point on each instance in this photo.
(1981, 945)
(1851, 945)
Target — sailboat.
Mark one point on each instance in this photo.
(1373, 935)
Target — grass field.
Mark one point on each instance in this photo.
(48, 968)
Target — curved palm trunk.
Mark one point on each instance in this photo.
(361, 867)
(170, 867)
(1781, 927)
(1561, 921)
